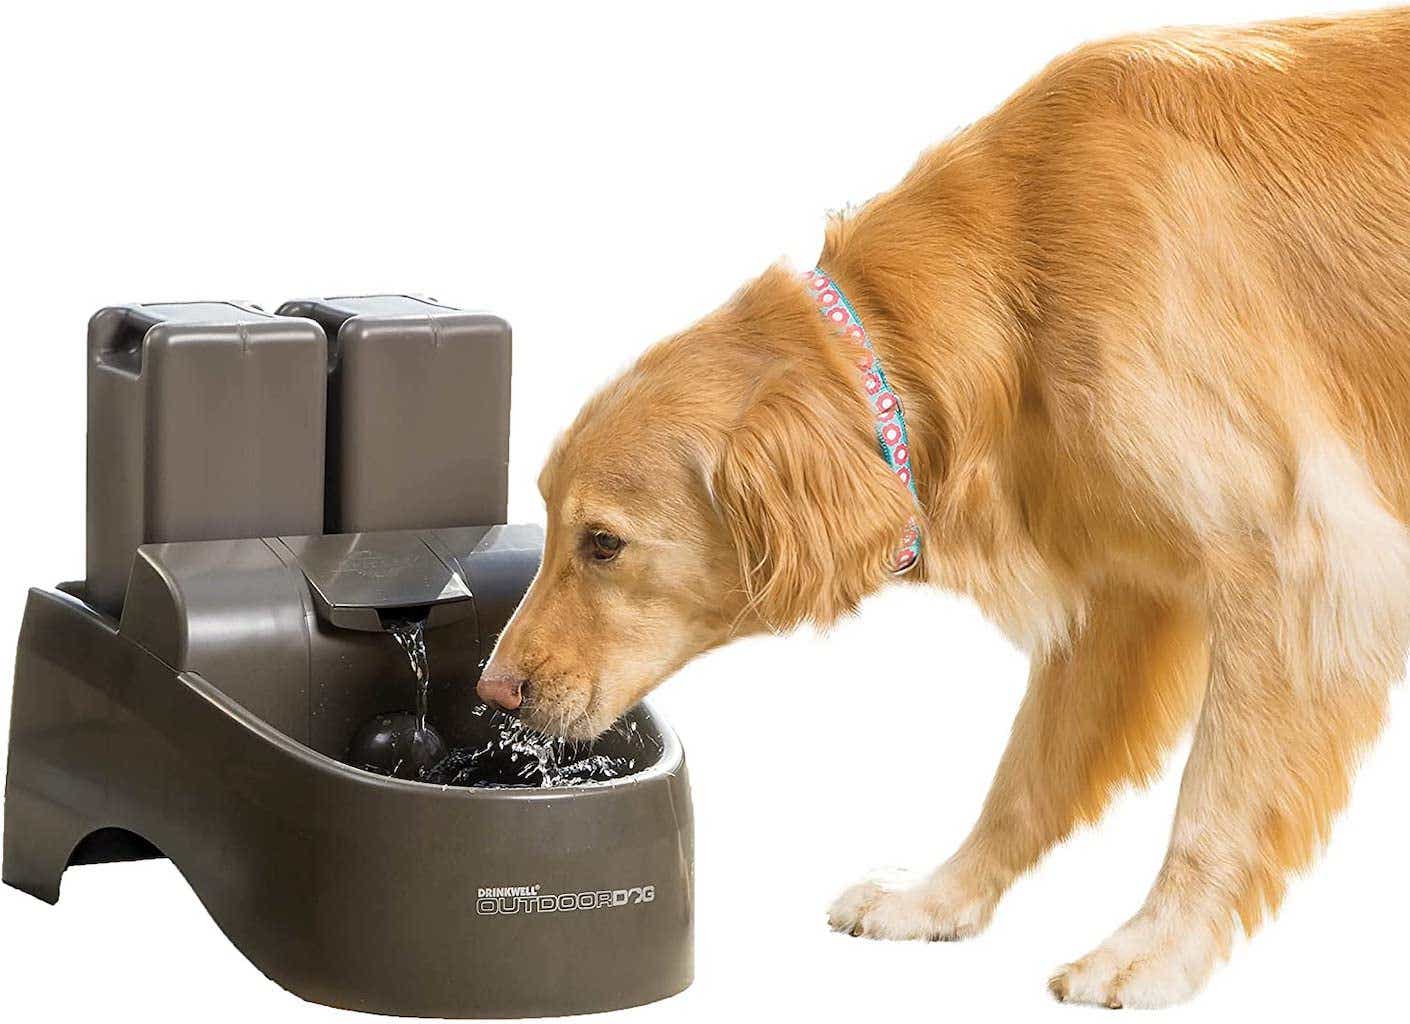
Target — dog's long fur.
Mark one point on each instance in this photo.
(1150, 323)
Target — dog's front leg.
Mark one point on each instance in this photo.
(1099, 712)
(1297, 687)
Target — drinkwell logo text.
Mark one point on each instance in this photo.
(527, 899)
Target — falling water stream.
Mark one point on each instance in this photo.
(410, 635)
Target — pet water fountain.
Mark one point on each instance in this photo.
(268, 496)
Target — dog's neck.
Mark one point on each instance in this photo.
(932, 271)
(924, 266)
(945, 328)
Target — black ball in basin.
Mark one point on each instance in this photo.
(396, 744)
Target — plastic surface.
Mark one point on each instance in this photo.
(246, 615)
(358, 578)
(207, 726)
(396, 744)
(418, 412)
(205, 420)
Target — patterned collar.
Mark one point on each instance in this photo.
(890, 424)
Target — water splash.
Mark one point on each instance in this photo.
(516, 756)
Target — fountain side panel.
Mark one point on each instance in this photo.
(290, 626)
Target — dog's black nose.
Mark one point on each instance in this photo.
(502, 690)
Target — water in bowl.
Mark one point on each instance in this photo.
(406, 744)
(517, 756)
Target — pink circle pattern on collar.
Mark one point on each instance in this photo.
(891, 435)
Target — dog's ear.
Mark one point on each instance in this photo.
(814, 512)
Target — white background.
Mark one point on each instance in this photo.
(600, 179)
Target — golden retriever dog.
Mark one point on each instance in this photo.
(1150, 326)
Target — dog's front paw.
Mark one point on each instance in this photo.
(1147, 964)
(943, 907)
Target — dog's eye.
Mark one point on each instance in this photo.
(605, 546)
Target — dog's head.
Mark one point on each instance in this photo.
(728, 483)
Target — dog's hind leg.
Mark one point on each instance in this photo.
(1304, 647)
(1099, 713)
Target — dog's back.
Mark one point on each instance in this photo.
(1216, 224)
(1287, 204)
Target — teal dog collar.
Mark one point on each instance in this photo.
(890, 422)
